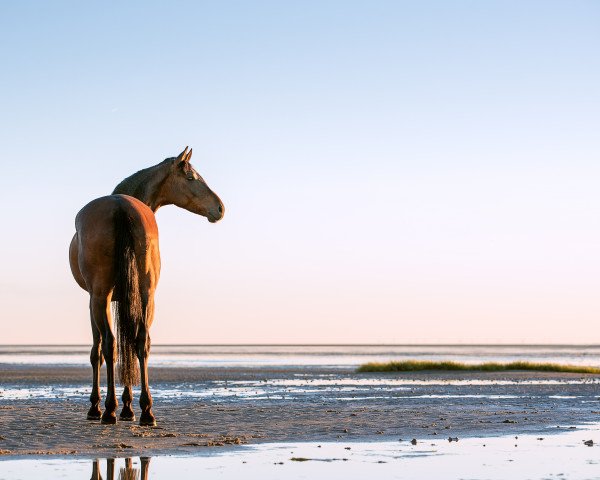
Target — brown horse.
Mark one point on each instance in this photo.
(114, 256)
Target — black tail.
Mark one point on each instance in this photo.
(127, 307)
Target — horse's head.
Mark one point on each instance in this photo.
(187, 189)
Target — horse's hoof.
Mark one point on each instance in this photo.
(147, 420)
(94, 413)
(127, 416)
(109, 418)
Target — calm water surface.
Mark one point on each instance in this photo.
(298, 356)
(524, 457)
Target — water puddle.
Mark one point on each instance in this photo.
(524, 457)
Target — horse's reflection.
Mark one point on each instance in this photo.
(127, 473)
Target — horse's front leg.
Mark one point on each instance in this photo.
(96, 360)
(127, 413)
(101, 313)
(143, 351)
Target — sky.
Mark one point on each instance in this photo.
(392, 171)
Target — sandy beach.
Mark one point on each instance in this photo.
(42, 408)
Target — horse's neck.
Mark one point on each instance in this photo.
(145, 185)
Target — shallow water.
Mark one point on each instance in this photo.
(524, 457)
(333, 388)
(309, 355)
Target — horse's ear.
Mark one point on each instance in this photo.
(189, 156)
(182, 157)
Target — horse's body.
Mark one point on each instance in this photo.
(114, 256)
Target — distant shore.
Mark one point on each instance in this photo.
(429, 365)
(250, 405)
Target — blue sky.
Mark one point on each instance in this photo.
(392, 171)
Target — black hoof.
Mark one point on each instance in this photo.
(147, 420)
(94, 413)
(127, 415)
(109, 418)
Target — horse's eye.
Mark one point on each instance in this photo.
(190, 178)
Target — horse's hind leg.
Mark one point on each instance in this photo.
(143, 352)
(96, 361)
(101, 314)
(127, 412)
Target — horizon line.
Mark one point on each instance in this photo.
(320, 344)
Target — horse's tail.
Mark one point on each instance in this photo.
(127, 307)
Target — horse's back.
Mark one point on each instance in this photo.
(95, 242)
(101, 212)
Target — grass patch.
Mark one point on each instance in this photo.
(419, 366)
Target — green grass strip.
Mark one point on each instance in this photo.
(419, 366)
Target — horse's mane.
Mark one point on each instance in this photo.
(137, 185)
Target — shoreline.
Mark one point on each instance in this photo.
(494, 458)
(202, 409)
(585, 430)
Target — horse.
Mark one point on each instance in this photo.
(114, 256)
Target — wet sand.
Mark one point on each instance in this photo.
(202, 408)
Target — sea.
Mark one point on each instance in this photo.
(290, 356)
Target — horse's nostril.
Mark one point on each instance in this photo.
(220, 208)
